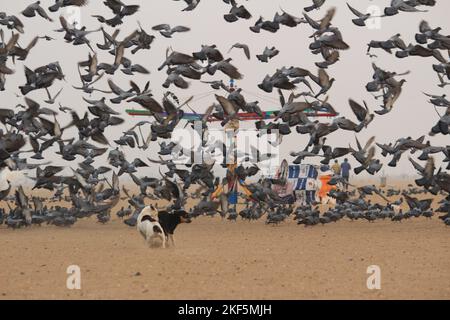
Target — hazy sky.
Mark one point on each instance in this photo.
(411, 116)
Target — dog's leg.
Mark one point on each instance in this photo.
(163, 240)
(167, 241)
(148, 239)
(172, 240)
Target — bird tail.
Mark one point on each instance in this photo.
(162, 66)
(87, 78)
(358, 170)
(421, 182)
(423, 156)
(392, 163)
(230, 18)
(402, 54)
(199, 56)
(116, 100)
(255, 29)
(359, 22)
(443, 127)
(390, 11)
(54, 7)
(421, 38)
(310, 8)
(166, 34)
(26, 89)
(382, 112)
(211, 70)
(262, 58)
(359, 127)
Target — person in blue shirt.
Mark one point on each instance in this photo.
(345, 171)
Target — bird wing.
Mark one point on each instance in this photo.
(64, 24)
(358, 144)
(311, 22)
(135, 87)
(424, 26)
(29, 11)
(417, 166)
(355, 12)
(163, 26)
(114, 87)
(114, 5)
(327, 19)
(369, 142)
(130, 10)
(181, 29)
(359, 111)
(226, 105)
(429, 168)
(43, 13)
(324, 78)
(246, 51)
(282, 99)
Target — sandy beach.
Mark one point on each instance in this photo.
(217, 259)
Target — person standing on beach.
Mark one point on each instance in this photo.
(345, 172)
(336, 168)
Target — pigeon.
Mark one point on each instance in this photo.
(315, 6)
(120, 10)
(191, 4)
(243, 47)
(31, 10)
(166, 31)
(66, 3)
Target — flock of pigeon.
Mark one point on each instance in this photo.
(33, 127)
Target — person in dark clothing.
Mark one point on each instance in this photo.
(345, 172)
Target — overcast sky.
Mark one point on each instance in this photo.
(411, 116)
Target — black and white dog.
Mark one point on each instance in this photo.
(169, 221)
(158, 228)
(149, 227)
